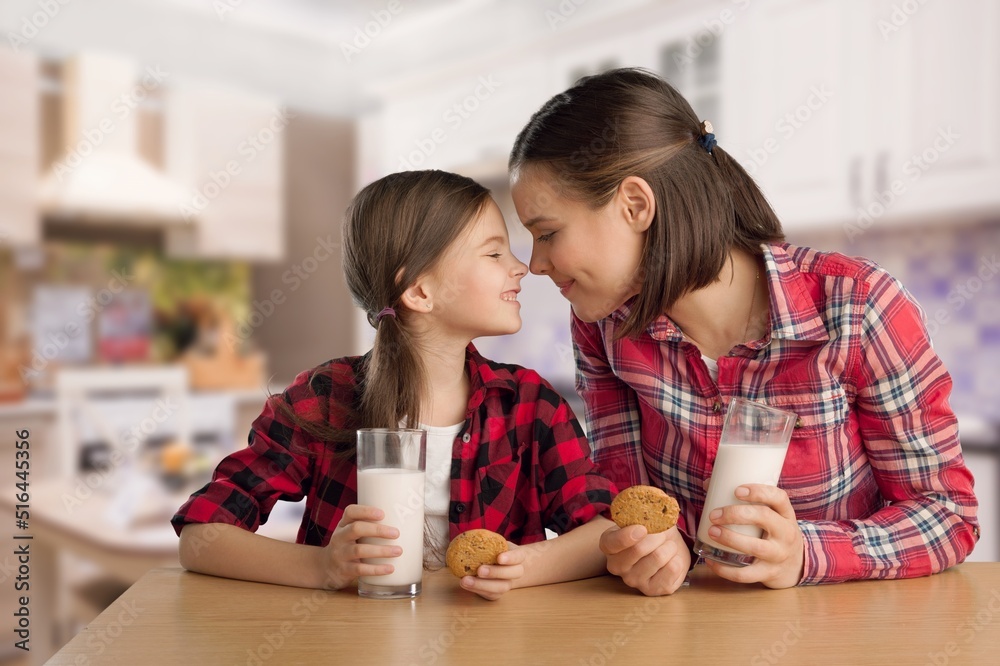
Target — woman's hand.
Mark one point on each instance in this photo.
(492, 581)
(778, 553)
(654, 564)
(340, 560)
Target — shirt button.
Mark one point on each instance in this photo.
(466, 437)
(460, 508)
(717, 407)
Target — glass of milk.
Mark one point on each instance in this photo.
(752, 450)
(391, 477)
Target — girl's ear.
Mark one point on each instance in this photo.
(637, 202)
(417, 297)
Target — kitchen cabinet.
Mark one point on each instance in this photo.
(682, 45)
(20, 148)
(845, 113)
(788, 94)
(466, 124)
(932, 95)
(227, 148)
(850, 117)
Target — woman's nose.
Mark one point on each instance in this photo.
(538, 264)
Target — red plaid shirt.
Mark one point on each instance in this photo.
(520, 464)
(874, 470)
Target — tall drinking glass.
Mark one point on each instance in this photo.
(754, 440)
(391, 477)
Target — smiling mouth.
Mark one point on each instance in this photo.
(564, 286)
(509, 296)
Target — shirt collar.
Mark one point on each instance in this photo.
(794, 315)
(486, 374)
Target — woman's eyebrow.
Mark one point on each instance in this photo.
(535, 220)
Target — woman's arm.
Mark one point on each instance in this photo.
(910, 437)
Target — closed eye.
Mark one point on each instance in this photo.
(495, 255)
(544, 238)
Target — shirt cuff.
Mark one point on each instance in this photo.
(829, 555)
(218, 503)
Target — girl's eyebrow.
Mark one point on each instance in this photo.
(492, 239)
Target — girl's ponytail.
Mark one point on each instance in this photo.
(394, 377)
(395, 231)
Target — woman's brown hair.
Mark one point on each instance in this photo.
(630, 122)
(396, 229)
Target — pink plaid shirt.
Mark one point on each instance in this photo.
(874, 470)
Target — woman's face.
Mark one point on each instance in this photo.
(593, 256)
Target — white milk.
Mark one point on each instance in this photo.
(735, 465)
(400, 493)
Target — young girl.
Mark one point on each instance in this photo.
(685, 296)
(426, 255)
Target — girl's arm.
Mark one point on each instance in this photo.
(572, 556)
(217, 524)
(228, 551)
(224, 550)
(569, 492)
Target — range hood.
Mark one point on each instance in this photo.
(100, 175)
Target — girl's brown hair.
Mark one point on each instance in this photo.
(395, 230)
(630, 122)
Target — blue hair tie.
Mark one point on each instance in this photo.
(707, 139)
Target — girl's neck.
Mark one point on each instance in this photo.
(730, 311)
(448, 386)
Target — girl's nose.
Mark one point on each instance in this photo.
(520, 269)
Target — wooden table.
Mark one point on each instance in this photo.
(70, 517)
(176, 617)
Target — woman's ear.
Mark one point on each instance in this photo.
(637, 202)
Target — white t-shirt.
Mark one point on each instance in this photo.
(437, 491)
(713, 367)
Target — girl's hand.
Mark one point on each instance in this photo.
(492, 581)
(654, 564)
(340, 560)
(779, 552)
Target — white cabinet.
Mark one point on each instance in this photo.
(787, 106)
(19, 148)
(466, 124)
(933, 99)
(851, 117)
(848, 113)
(227, 148)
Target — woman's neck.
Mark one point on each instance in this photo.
(730, 311)
(447, 389)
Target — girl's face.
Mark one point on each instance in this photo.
(592, 255)
(475, 285)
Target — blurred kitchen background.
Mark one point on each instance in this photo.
(173, 175)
